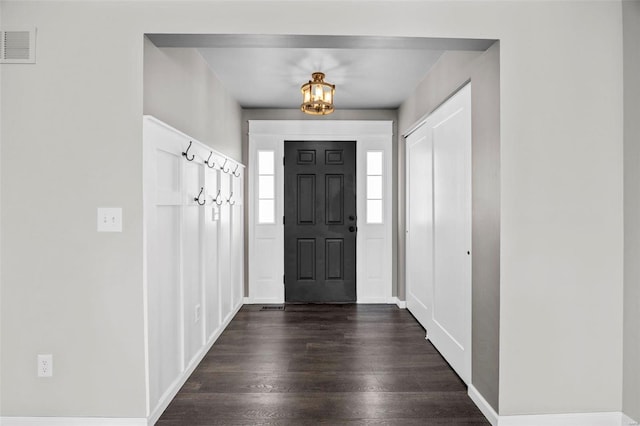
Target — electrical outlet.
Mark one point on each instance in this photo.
(109, 219)
(45, 365)
(198, 311)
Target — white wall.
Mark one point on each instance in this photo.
(631, 372)
(72, 129)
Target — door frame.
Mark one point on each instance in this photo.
(374, 244)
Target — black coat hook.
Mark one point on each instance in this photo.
(236, 173)
(229, 199)
(223, 168)
(218, 199)
(212, 164)
(197, 199)
(186, 153)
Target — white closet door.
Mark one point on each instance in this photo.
(419, 223)
(450, 326)
(439, 229)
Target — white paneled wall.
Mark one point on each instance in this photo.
(194, 254)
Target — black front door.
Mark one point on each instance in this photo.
(320, 221)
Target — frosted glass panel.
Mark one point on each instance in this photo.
(374, 211)
(265, 211)
(374, 187)
(374, 162)
(265, 162)
(265, 187)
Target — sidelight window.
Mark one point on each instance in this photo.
(266, 187)
(375, 192)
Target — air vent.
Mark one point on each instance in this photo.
(18, 47)
(272, 308)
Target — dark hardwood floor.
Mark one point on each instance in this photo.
(323, 364)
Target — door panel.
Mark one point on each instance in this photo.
(419, 241)
(450, 327)
(438, 268)
(320, 236)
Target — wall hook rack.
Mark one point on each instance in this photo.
(236, 173)
(229, 199)
(186, 153)
(212, 164)
(197, 199)
(218, 199)
(223, 168)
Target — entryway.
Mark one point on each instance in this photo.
(320, 221)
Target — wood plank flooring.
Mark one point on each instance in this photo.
(323, 364)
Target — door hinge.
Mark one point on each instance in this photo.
(283, 220)
(284, 161)
(283, 279)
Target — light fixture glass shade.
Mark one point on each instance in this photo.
(317, 96)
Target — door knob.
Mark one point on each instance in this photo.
(352, 229)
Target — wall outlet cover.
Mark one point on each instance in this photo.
(109, 219)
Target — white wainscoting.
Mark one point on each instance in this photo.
(193, 255)
(374, 241)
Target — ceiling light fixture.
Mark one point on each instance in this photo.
(317, 96)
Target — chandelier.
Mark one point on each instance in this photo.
(317, 96)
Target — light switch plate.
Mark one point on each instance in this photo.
(45, 365)
(109, 219)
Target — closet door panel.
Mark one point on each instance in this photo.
(450, 327)
(419, 241)
(450, 213)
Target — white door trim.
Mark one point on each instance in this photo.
(374, 242)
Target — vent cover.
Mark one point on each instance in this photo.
(272, 308)
(18, 47)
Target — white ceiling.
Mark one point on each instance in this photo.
(369, 72)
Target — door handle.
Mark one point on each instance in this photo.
(352, 229)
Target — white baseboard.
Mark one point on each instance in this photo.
(377, 300)
(402, 304)
(71, 421)
(168, 396)
(369, 300)
(259, 301)
(571, 419)
(483, 405)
